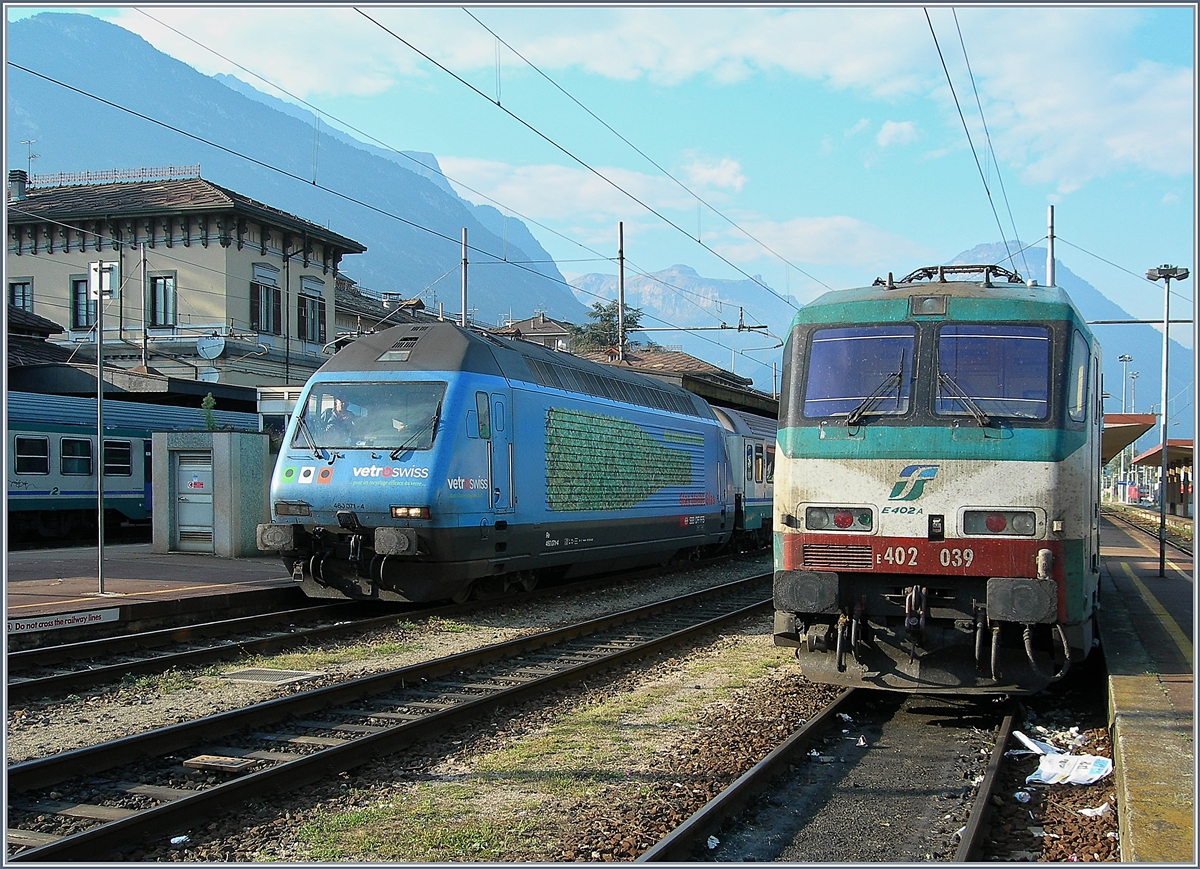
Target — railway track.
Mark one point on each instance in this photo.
(905, 806)
(90, 802)
(1176, 541)
(50, 671)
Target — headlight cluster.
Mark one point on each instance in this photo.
(410, 512)
(838, 519)
(292, 508)
(1018, 523)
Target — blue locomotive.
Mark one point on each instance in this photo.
(936, 513)
(53, 458)
(430, 462)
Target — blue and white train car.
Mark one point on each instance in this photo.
(52, 460)
(426, 461)
(937, 494)
(750, 443)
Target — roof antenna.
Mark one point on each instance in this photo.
(941, 274)
(891, 284)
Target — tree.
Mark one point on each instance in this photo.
(602, 332)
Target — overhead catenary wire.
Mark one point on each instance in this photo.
(435, 168)
(292, 175)
(966, 129)
(987, 134)
(647, 157)
(573, 157)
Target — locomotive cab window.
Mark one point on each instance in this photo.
(76, 457)
(389, 415)
(1078, 372)
(483, 414)
(859, 370)
(990, 370)
(32, 455)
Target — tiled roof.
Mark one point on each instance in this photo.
(350, 302)
(23, 350)
(21, 322)
(666, 362)
(137, 198)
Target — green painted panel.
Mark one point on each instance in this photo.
(596, 462)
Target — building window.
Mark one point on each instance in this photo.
(266, 309)
(310, 319)
(20, 294)
(32, 455)
(118, 459)
(83, 309)
(76, 457)
(162, 300)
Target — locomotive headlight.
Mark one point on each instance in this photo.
(838, 518)
(1013, 523)
(410, 512)
(1023, 523)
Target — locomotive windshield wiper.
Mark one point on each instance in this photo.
(312, 443)
(430, 425)
(868, 404)
(957, 391)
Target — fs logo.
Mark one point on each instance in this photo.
(911, 483)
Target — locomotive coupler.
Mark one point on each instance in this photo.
(355, 557)
(915, 610)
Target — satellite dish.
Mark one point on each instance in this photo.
(209, 375)
(210, 346)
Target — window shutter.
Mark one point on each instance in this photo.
(321, 322)
(302, 316)
(256, 306)
(277, 311)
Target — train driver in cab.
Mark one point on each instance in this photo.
(337, 421)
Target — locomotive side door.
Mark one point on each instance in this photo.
(500, 447)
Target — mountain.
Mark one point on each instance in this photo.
(410, 221)
(682, 297)
(1142, 342)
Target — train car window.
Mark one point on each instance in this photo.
(118, 459)
(498, 415)
(75, 457)
(770, 472)
(483, 413)
(758, 463)
(996, 370)
(858, 370)
(32, 455)
(391, 415)
(1077, 388)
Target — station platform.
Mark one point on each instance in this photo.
(1146, 627)
(58, 590)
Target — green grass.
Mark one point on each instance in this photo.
(159, 683)
(437, 823)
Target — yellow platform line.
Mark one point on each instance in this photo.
(1161, 614)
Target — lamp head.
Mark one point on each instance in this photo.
(1167, 272)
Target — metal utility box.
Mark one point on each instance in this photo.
(210, 491)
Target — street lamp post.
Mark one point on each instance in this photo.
(1164, 273)
(1124, 359)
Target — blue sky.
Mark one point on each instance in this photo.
(828, 134)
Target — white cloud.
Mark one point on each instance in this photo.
(550, 191)
(1170, 199)
(896, 133)
(1069, 97)
(831, 240)
(862, 124)
(724, 173)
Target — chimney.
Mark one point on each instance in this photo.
(17, 179)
